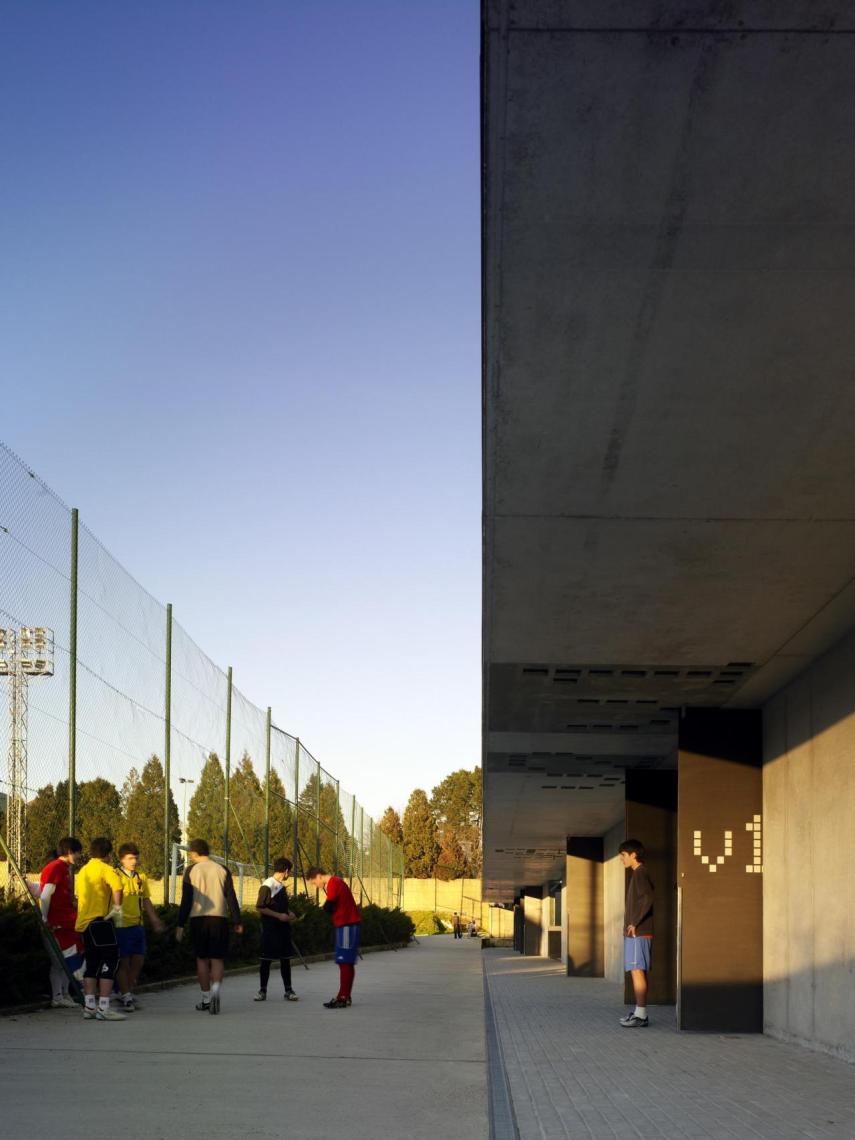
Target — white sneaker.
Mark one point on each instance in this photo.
(108, 1015)
(63, 1002)
(89, 1014)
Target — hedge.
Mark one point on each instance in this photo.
(427, 922)
(24, 962)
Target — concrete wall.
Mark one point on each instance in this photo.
(809, 853)
(614, 891)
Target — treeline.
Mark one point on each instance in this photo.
(134, 813)
(440, 833)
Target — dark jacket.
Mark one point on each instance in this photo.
(639, 901)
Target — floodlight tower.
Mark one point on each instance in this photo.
(24, 653)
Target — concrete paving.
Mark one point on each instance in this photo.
(406, 1060)
(574, 1072)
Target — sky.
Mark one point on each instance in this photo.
(240, 331)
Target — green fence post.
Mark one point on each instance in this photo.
(167, 751)
(335, 830)
(267, 796)
(352, 854)
(298, 861)
(72, 681)
(227, 791)
(318, 817)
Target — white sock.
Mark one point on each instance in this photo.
(215, 987)
(206, 995)
(90, 1001)
(103, 1003)
(640, 1011)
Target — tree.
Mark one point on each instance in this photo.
(47, 823)
(281, 819)
(391, 826)
(421, 845)
(131, 781)
(143, 822)
(246, 826)
(456, 804)
(325, 807)
(99, 811)
(205, 811)
(452, 862)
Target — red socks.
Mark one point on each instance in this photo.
(346, 976)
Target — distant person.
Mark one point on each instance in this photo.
(136, 902)
(99, 905)
(276, 919)
(638, 930)
(456, 926)
(207, 899)
(347, 920)
(59, 911)
(472, 928)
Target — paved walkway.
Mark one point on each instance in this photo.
(407, 1060)
(574, 1072)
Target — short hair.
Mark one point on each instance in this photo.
(128, 849)
(100, 848)
(313, 872)
(282, 864)
(69, 846)
(633, 847)
(199, 847)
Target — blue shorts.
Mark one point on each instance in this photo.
(347, 943)
(637, 953)
(131, 940)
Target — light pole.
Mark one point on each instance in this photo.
(24, 653)
(185, 782)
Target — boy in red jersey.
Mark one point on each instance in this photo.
(59, 911)
(347, 922)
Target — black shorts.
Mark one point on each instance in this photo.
(210, 937)
(101, 948)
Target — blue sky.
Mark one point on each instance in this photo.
(239, 329)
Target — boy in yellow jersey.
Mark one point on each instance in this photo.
(136, 901)
(99, 898)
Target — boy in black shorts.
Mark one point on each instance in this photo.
(276, 919)
(207, 898)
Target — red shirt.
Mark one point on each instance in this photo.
(62, 910)
(346, 911)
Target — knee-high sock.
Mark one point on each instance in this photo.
(285, 970)
(346, 976)
(264, 972)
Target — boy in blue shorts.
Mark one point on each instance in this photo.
(136, 901)
(638, 930)
(347, 921)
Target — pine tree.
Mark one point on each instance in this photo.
(456, 804)
(421, 845)
(330, 854)
(281, 819)
(47, 823)
(143, 822)
(246, 826)
(206, 808)
(99, 812)
(390, 825)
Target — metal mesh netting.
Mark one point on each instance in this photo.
(151, 738)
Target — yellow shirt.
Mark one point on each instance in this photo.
(135, 887)
(95, 884)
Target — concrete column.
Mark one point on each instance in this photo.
(532, 919)
(584, 911)
(651, 817)
(719, 863)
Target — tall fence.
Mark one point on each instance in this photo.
(120, 725)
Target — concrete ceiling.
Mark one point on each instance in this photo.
(669, 383)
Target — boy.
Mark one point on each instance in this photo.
(347, 922)
(638, 930)
(59, 912)
(207, 899)
(136, 901)
(99, 899)
(276, 919)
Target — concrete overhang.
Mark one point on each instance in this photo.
(669, 403)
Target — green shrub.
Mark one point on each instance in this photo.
(427, 922)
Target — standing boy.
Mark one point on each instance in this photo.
(59, 911)
(207, 899)
(638, 930)
(276, 919)
(136, 901)
(455, 923)
(348, 924)
(99, 898)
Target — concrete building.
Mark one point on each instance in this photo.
(669, 494)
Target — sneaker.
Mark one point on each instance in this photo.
(108, 1015)
(89, 1014)
(214, 1007)
(627, 1018)
(204, 1006)
(633, 1022)
(336, 1003)
(261, 996)
(63, 1002)
(129, 1006)
(291, 996)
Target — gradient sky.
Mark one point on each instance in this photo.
(240, 330)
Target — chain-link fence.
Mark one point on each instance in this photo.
(120, 725)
